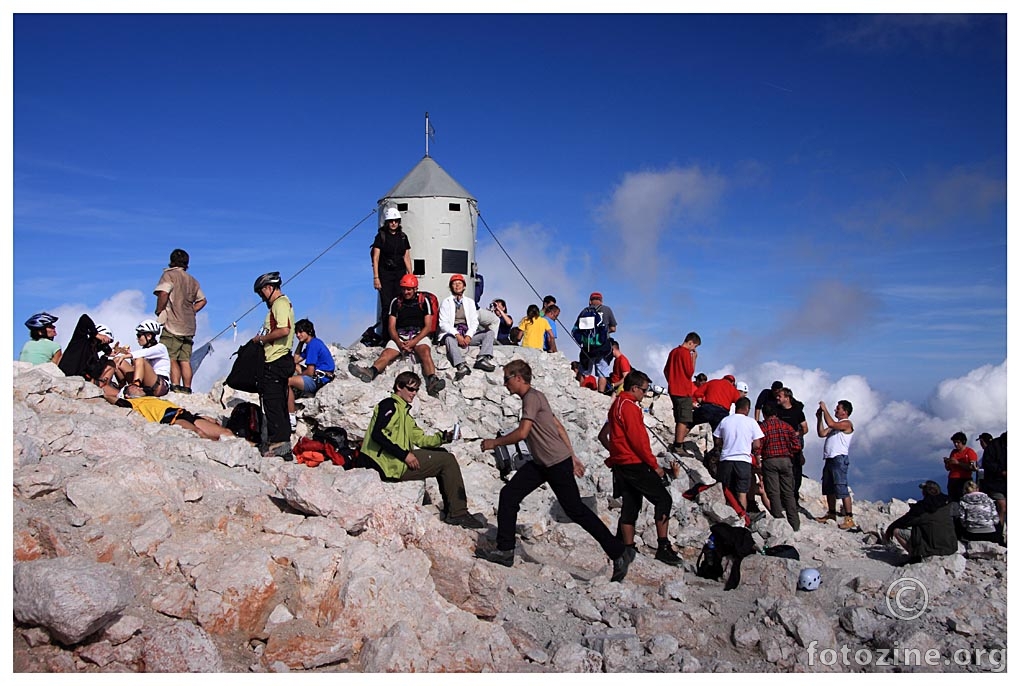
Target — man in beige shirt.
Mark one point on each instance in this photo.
(178, 299)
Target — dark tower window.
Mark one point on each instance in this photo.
(455, 261)
(455, 207)
(402, 206)
(419, 267)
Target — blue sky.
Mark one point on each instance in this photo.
(821, 197)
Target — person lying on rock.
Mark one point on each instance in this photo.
(164, 412)
(554, 463)
(387, 445)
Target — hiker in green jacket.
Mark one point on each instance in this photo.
(388, 441)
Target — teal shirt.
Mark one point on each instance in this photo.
(40, 351)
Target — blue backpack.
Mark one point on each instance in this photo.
(591, 332)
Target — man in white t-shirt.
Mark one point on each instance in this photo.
(740, 436)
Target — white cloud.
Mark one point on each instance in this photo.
(644, 204)
(544, 262)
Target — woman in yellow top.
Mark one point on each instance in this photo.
(533, 328)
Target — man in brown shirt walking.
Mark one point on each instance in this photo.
(553, 462)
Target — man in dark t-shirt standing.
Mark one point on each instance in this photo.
(767, 396)
(553, 462)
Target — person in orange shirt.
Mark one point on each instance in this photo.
(961, 465)
(715, 398)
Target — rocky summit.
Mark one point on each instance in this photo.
(141, 547)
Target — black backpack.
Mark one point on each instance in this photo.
(592, 333)
(337, 437)
(736, 541)
(248, 368)
(787, 551)
(709, 564)
(246, 420)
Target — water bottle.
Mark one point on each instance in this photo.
(711, 542)
(456, 431)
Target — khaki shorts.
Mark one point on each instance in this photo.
(179, 347)
(683, 409)
(427, 341)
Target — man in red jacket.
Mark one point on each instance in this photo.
(679, 371)
(636, 472)
(716, 397)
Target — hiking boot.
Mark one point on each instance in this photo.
(667, 555)
(847, 523)
(466, 521)
(462, 371)
(434, 385)
(362, 373)
(622, 563)
(186, 390)
(485, 364)
(496, 556)
(756, 516)
(829, 517)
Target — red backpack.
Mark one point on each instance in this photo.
(433, 306)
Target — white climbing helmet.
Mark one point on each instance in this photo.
(391, 213)
(148, 326)
(100, 329)
(810, 579)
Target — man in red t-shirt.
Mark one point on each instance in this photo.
(961, 465)
(679, 371)
(621, 366)
(716, 397)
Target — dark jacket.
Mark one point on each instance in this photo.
(931, 526)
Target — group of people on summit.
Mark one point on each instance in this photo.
(753, 457)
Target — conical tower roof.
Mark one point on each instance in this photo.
(428, 180)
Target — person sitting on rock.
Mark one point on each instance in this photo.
(42, 328)
(585, 381)
(387, 445)
(927, 527)
(977, 519)
(410, 325)
(532, 329)
(161, 411)
(458, 329)
(313, 363)
(147, 367)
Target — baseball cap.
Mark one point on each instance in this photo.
(595, 294)
(742, 386)
(730, 378)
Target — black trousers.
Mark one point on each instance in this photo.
(560, 478)
(389, 288)
(633, 483)
(273, 392)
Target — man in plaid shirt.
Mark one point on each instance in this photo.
(780, 443)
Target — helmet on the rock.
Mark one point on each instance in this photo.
(810, 579)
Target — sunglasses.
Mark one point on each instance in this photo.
(506, 379)
(412, 389)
